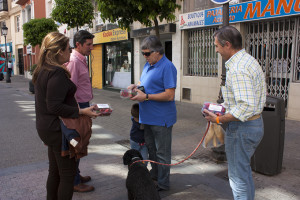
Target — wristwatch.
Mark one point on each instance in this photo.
(147, 98)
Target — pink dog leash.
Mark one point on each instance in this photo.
(183, 159)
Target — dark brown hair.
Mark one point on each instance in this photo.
(135, 110)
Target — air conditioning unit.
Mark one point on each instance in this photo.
(99, 28)
(107, 27)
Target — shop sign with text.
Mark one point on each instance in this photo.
(248, 11)
(110, 36)
(8, 48)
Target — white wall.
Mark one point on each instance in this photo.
(48, 5)
(138, 60)
(293, 107)
(17, 40)
(202, 88)
(176, 59)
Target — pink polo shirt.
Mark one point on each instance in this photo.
(80, 77)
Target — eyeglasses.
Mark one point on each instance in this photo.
(147, 53)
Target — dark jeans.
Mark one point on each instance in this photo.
(61, 175)
(9, 71)
(77, 177)
(159, 142)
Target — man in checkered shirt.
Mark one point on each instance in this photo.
(244, 96)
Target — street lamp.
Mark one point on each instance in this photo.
(4, 31)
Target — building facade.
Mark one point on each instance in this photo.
(31, 9)
(270, 30)
(170, 36)
(10, 17)
(17, 37)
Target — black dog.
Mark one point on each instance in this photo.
(139, 183)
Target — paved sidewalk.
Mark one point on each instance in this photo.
(200, 177)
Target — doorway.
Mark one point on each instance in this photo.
(20, 62)
(168, 50)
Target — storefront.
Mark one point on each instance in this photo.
(270, 30)
(118, 64)
(117, 59)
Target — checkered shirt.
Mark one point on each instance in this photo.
(244, 92)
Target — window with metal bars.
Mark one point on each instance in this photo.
(275, 45)
(202, 58)
(18, 23)
(296, 74)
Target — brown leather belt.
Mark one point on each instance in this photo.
(254, 117)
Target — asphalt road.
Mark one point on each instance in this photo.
(19, 142)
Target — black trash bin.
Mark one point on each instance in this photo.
(267, 158)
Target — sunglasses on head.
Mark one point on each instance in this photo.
(147, 53)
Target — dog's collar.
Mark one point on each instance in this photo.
(135, 160)
(138, 158)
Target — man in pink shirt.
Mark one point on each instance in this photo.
(78, 67)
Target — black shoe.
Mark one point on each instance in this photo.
(160, 189)
(220, 149)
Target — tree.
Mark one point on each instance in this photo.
(125, 12)
(35, 30)
(74, 13)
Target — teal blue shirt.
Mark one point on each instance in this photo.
(156, 79)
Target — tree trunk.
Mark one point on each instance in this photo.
(156, 28)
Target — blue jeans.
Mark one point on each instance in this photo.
(77, 177)
(241, 139)
(142, 149)
(159, 142)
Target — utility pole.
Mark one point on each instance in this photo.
(4, 31)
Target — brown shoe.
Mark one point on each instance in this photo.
(83, 188)
(84, 179)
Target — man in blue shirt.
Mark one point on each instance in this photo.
(157, 107)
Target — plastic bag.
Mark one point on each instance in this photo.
(214, 136)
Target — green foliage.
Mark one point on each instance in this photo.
(35, 30)
(144, 11)
(74, 13)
